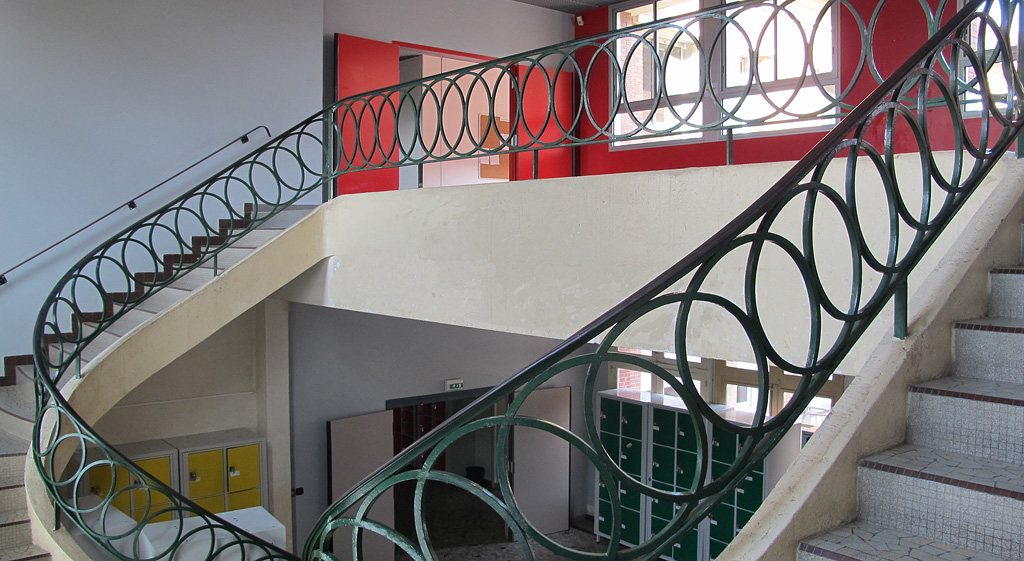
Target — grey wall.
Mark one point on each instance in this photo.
(101, 99)
(346, 363)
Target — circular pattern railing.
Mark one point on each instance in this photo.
(823, 201)
(194, 228)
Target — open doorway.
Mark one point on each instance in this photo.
(453, 517)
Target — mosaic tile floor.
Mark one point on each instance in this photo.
(868, 542)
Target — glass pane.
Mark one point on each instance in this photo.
(743, 398)
(808, 101)
(635, 54)
(780, 41)
(795, 27)
(749, 37)
(814, 414)
(674, 393)
(686, 119)
(677, 46)
(634, 380)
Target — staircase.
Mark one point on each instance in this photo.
(955, 490)
(17, 400)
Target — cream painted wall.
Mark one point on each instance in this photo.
(546, 257)
(211, 387)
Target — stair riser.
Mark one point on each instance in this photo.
(228, 258)
(194, 279)
(12, 500)
(989, 355)
(802, 555)
(163, 299)
(1006, 295)
(12, 467)
(15, 536)
(967, 426)
(973, 519)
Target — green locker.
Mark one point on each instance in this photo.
(654, 439)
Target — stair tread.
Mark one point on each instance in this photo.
(23, 553)
(18, 400)
(163, 299)
(978, 474)
(1009, 325)
(12, 445)
(1008, 270)
(972, 388)
(18, 515)
(864, 541)
(132, 319)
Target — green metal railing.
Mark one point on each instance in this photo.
(372, 130)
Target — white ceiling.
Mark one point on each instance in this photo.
(570, 6)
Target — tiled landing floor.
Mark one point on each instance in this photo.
(867, 541)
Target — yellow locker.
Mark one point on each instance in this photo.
(214, 504)
(245, 499)
(205, 473)
(243, 469)
(100, 482)
(160, 468)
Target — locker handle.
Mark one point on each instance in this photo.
(193, 476)
(656, 427)
(749, 478)
(714, 442)
(232, 472)
(739, 490)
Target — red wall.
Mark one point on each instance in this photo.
(365, 65)
(551, 162)
(902, 33)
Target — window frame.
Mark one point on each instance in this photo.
(710, 112)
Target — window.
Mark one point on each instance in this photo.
(772, 65)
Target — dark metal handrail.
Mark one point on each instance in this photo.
(250, 191)
(131, 204)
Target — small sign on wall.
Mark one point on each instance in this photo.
(454, 384)
(494, 166)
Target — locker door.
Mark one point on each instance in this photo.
(100, 482)
(205, 473)
(243, 467)
(146, 503)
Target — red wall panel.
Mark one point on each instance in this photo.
(365, 65)
(537, 122)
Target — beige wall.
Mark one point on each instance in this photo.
(546, 257)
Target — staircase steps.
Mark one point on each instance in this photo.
(17, 401)
(863, 541)
(130, 320)
(977, 417)
(15, 530)
(955, 490)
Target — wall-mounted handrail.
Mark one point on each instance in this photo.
(131, 204)
(948, 73)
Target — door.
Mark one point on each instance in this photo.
(540, 475)
(357, 446)
(364, 65)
